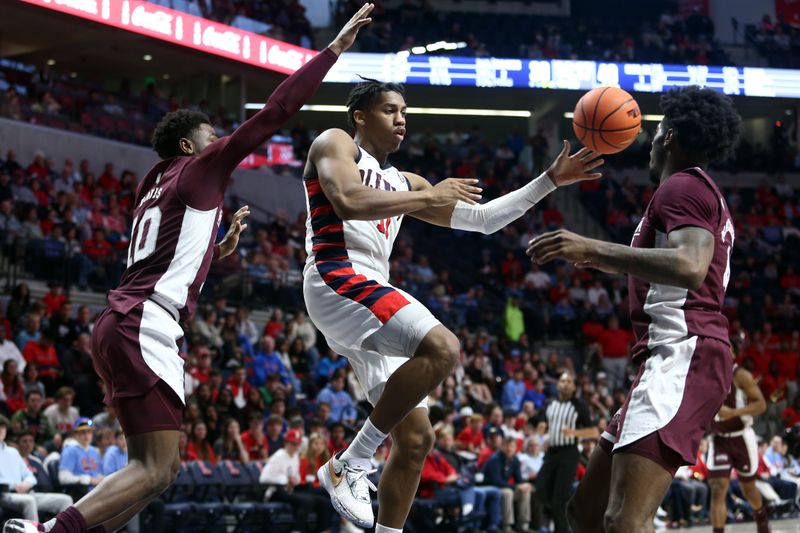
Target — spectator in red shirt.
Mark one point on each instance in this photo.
(43, 354)
(13, 393)
(615, 344)
(96, 252)
(436, 473)
(199, 448)
(773, 384)
(239, 386)
(511, 268)
(337, 441)
(37, 168)
(791, 415)
(471, 437)
(311, 461)
(254, 440)
(108, 181)
(274, 328)
(54, 299)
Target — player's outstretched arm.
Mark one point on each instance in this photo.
(332, 159)
(287, 99)
(494, 215)
(684, 263)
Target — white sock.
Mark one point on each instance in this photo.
(365, 443)
(383, 529)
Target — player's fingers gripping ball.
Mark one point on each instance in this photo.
(607, 120)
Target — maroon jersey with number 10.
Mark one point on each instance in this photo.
(179, 202)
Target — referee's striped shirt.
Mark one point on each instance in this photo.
(572, 414)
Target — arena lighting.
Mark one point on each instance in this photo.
(210, 37)
(647, 118)
(147, 57)
(419, 110)
(51, 62)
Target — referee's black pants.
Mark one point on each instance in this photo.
(554, 482)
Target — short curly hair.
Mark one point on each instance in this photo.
(172, 128)
(364, 95)
(704, 121)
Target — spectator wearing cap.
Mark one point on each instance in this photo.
(283, 471)
(503, 470)
(494, 439)
(514, 391)
(81, 462)
(20, 498)
(61, 416)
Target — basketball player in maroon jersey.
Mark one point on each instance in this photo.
(734, 445)
(135, 340)
(678, 266)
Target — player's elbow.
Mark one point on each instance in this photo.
(760, 407)
(344, 209)
(693, 274)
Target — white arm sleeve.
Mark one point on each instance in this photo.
(497, 214)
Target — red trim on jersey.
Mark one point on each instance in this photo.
(388, 305)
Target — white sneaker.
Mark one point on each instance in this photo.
(351, 499)
(18, 525)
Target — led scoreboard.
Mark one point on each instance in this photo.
(563, 74)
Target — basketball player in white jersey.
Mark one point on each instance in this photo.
(398, 350)
(734, 445)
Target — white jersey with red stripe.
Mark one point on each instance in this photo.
(368, 241)
(346, 283)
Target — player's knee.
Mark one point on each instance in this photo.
(447, 349)
(159, 479)
(416, 445)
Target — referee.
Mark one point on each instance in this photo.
(568, 422)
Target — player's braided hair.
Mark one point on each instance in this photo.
(705, 121)
(172, 128)
(364, 94)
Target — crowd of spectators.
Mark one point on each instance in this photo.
(249, 386)
(283, 19)
(653, 36)
(776, 40)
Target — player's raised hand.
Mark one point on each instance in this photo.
(347, 36)
(451, 190)
(560, 244)
(568, 169)
(231, 240)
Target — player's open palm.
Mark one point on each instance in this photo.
(451, 190)
(568, 169)
(231, 240)
(347, 36)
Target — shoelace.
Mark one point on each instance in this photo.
(360, 490)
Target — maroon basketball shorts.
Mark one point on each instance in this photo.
(737, 450)
(674, 398)
(136, 355)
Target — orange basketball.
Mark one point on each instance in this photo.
(607, 119)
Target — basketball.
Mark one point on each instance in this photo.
(606, 120)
